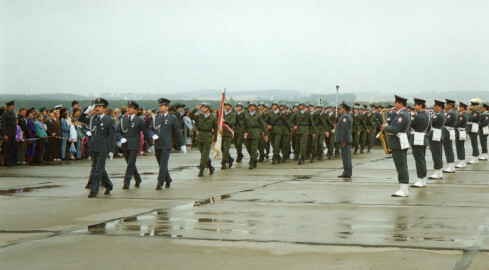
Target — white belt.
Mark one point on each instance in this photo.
(449, 128)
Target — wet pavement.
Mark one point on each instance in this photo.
(274, 217)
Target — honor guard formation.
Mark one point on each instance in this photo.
(300, 133)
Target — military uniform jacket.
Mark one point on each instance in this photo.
(375, 120)
(484, 121)
(461, 120)
(254, 125)
(320, 123)
(239, 128)
(230, 121)
(356, 125)
(103, 132)
(165, 126)
(131, 131)
(302, 120)
(437, 121)
(420, 122)
(400, 123)
(206, 126)
(450, 119)
(278, 122)
(474, 117)
(343, 129)
(9, 123)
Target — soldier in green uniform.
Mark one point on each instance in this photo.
(206, 125)
(366, 127)
(229, 118)
(295, 147)
(254, 128)
(323, 131)
(312, 141)
(375, 127)
(329, 117)
(285, 142)
(301, 122)
(356, 129)
(239, 131)
(277, 123)
(262, 144)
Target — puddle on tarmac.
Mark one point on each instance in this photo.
(301, 177)
(26, 189)
(176, 169)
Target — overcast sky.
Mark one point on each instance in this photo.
(175, 46)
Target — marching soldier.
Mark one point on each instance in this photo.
(323, 131)
(254, 129)
(103, 132)
(312, 141)
(162, 130)
(207, 130)
(344, 139)
(461, 134)
(356, 129)
(420, 123)
(484, 130)
(376, 124)
(365, 130)
(227, 137)
(285, 133)
(301, 121)
(436, 138)
(399, 144)
(129, 137)
(276, 125)
(473, 129)
(9, 130)
(239, 131)
(295, 146)
(262, 145)
(449, 135)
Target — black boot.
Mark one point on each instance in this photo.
(201, 172)
(284, 158)
(211, 169)
(239, 158)
(330, 154)
(312, 159)
(279, 159)
(223, 166)
(356, 150)
(231, 160)
(254, 164)
(251, 164)
(301, 161)
(320, 156)
(361, 150)
(368, 149)
(262, 158)
(274, 160)
(267, 153)
(336, 153)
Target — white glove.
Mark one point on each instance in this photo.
(89, 133)
(155, 137)
(123, 140)
(119, 144)
(183, 148)
(89, 109)
(111, 155)
(333, 131)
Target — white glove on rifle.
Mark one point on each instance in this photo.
(183, 148)
(123, 140)
(89, 133)
(111, 155)
(155, 137)
(119, 144)
(89, 109)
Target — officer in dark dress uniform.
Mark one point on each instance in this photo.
(420, 124)
(344, 139)
(460, 125)
(103, 132)
(483, 130)
(162, 129)
(9, 130)
(129, 137)
(399, 144)
(473, 120)
(436, 138)
(449, 135)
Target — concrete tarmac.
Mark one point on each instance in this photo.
(281, 216)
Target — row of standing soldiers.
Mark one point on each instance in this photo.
(305, 130)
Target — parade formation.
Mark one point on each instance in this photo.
(309, 132)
